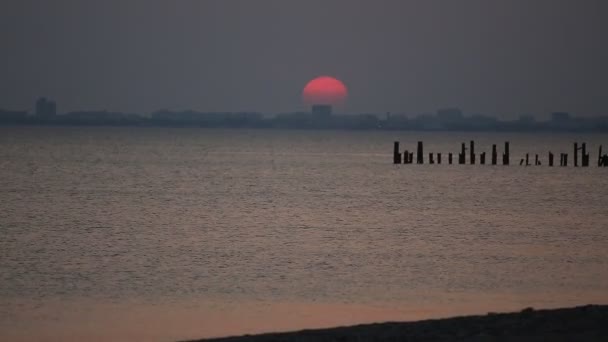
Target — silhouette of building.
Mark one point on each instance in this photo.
(527, 119)
(12, 116)
(45, 108)
(450, 115)
(321, 111)
(100, 117)
(560, 117)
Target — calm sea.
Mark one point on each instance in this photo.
(164, 234)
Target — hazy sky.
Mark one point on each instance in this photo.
(497, 57)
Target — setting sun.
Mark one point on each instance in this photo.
(325, 90)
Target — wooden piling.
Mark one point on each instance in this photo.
(406, 157)
(550, 159)
(431, 159)
(411, 157)
(461, 156)
(527, 159)
(599, 157)
(396, 153)
(506, 157)
(494, 155)
(536, 161)
(565, 159)
(450, 158)
(585, 157)
(575, 154)
(472, 152)
(419, 154)
(482, 158)
(438, 158)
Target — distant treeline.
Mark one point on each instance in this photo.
(443, 120)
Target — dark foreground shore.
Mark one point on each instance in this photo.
(585, 323)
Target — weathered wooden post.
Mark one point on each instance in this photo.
(585, 161)
(605, 160)
(411, 157)
(494, 155)
(450, 158)
(536, 161)
(472, 152)
(431, 159)
(396, 153)
(527, 159)
(565, 159)
(461, 156)
(438, 158)
(550, 159)
(575, 154)
(599, 158)
(505, 157)
(406, 157)
(482, 158)
(419, 154)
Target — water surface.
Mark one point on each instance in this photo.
(165, 234)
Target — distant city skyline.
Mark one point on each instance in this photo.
(500, 58)
(319, 116)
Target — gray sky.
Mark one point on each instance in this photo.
(497, 57)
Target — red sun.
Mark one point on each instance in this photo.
(325, 90)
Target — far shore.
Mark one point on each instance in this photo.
(583, 323)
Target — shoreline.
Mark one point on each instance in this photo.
(581, 323)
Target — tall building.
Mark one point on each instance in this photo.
(45, 108)
(322, 111)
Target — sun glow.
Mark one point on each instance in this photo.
(325, 90)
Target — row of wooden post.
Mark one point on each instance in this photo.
(408, 157)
